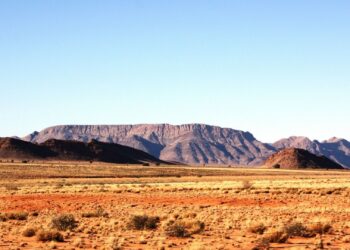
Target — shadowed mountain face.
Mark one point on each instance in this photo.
(190, 143)
(335, 149)
(73, 150)
(11, 148)
(294, 158)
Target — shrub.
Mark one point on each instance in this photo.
(64, 222)
(3, 217)
(262, 244)
(35, 214)
(276, 237)
(99, 212)
(14, 216)
(29, 232)
(320, 228)
(246, 184)
(257, 229)
(141, 222)
(184, 229)
(11, 187)
(50, 235)
(177, 230)
(296, 229)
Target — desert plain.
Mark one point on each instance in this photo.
(83, 205)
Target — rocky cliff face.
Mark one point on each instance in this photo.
(189, 143)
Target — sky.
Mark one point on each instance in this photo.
(274, 68)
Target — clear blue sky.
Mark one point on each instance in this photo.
(274, 68)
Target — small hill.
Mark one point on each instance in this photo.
(295, 158)
(15, 149)
(336, 149)
(98, 151)
(11, 148)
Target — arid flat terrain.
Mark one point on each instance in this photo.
(78, 205)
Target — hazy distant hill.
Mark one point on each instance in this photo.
(189, 143)
(66, 150)
(194, 143)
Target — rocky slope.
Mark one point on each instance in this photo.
(66, 150)
(189, 143)
(294, 158)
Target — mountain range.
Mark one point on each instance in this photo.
(194, 143)
(53, 149)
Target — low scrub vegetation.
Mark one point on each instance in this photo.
(50, 235)
(14, 216)
(246, 185)
(64, 222)
(99, 212)
(141, 222)
(320, 228)
(182, 229)
(29, 232)
(258, 229)
(297, 229)
(278, 236)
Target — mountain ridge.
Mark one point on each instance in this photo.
(195, 143)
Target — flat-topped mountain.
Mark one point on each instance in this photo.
(53, 149)
(189, 143)
(295, 158)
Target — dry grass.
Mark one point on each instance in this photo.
(207, 208)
